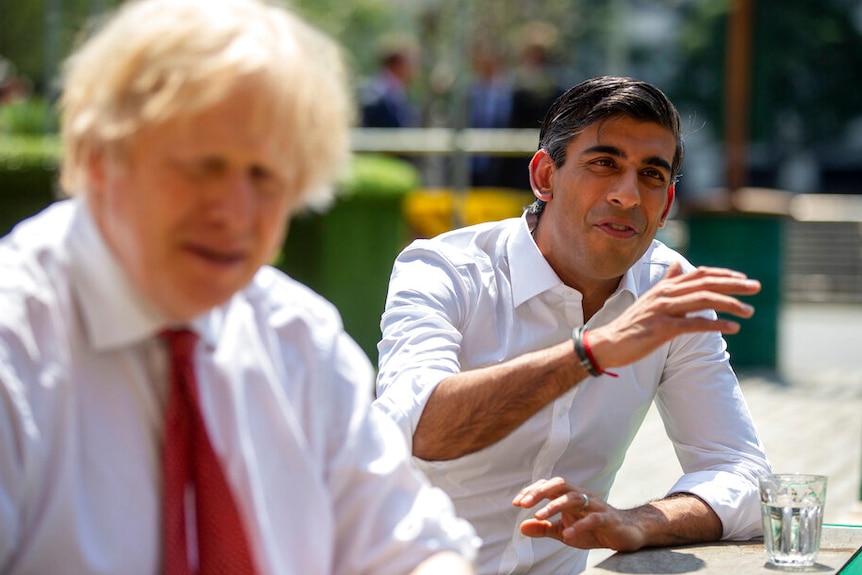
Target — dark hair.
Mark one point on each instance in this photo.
(600, 99)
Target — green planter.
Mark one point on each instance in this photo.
(346, 254)
(28, 177)
(753, 244)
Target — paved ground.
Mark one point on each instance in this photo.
(809, 413)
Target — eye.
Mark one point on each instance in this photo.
(260, 174)
(201, 167)
(265, 180)
(604, 162)
(654, 174)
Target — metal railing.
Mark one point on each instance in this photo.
(446, 141)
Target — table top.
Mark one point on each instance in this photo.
(837, 546)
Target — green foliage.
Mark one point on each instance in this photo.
(29, 152)
(36, 35)
(356, 25)
(806, 66)
(379, 175)
(28, 117)
(807, 55)
(28, 176)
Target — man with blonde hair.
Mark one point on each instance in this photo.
(168, 402)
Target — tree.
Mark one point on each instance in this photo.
(807, 65)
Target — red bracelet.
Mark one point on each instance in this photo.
(591, 357)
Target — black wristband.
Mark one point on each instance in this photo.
(581, 352)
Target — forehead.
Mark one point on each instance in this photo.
(627, 135)
(238, 120)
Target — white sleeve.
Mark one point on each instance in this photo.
(389, 518)
(715, 439)
(427, 305)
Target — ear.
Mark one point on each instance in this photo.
(97, 170)
(541, 175)
(671, 193)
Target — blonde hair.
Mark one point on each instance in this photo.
(157, 60)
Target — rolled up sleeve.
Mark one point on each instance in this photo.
(421, 329)
(715, 438)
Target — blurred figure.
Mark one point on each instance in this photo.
(535, 83)
(490, 106)
(384, 97)
(535, 87)
(169, 403)
(12, 87)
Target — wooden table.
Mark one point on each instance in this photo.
(837, 546)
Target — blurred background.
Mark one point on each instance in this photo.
(450, 94)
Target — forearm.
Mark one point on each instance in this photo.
(679, 519)
(477, 408)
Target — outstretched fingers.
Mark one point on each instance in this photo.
(571, 515)
(707, 279)
(540, 490)
(679, 303)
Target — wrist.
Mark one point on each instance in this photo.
(585, 355)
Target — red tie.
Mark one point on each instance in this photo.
(191, 466)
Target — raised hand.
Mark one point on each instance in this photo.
(668, 310)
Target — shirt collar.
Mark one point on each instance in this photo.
(115, 313)
(532, 274)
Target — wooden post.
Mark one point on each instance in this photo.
(737, 93)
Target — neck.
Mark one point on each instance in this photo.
(595, 291)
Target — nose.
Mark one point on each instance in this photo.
(232, 203)
(625, 192)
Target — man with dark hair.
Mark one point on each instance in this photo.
(528, 351)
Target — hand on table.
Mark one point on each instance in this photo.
(582, 519)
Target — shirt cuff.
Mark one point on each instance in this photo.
(734, 499)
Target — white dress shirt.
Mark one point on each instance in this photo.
(324, 485)
(484, 294)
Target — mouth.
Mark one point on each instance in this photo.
(618, 229)
(217, 257)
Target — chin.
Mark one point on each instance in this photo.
(191, 304)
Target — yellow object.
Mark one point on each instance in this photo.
(432, 211)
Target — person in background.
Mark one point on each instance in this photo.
(13, 88)
(490, 107)
(169, 403)
(520, 357)
(535, 82)
(535, 86)
(384, 98)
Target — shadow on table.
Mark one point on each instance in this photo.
(661, 561)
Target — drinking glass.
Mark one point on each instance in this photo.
(792, 511)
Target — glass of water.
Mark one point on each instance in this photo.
(792, 509)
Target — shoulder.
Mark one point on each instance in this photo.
(661, 254)
(34, 270)
(305, 324)
(36, 308)
(465, 246)
(281, 301)
(653, 265)
(306, 338)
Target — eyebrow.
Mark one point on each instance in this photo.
(656, 161)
